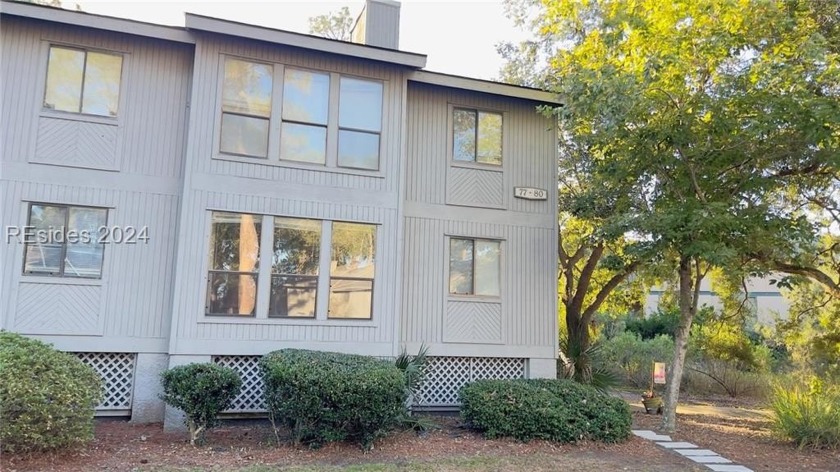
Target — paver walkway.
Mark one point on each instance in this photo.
(690, 451)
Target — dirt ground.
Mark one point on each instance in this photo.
(121, 446)
(740, 434)
(745, 438)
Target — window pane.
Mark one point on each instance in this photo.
(64, 79)
(293, 296)
(490, 138)
(350, 298)
(235, 242)
(461, 266)
(464, 137)
(358, 150)
(244, 135)
(487, 267)
(43, 259)
(231, 294)
(303, 143)
(247, 88)
(102, 84)
(306, 96)
(84, 257)
(43, 253)
(353, 247)
(297, 246)
(360, 105)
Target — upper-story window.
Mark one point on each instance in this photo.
(65, 241)
(308, 118)
(477, 136)
(82, 81)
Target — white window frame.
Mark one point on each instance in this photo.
(276, 119)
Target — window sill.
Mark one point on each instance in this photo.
(65, 115)
(260, 161)
(57, 280)
(228, 320)
(474, 299)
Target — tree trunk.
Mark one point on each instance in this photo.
(688, 288)
(578, 343)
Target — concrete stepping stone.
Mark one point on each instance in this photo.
(728, 468)
(677, 445)
(696, 452)
(710, 459)
(650, 435)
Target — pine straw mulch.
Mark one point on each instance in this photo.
(746, 441)
(120, 446)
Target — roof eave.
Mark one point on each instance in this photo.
(485, 86)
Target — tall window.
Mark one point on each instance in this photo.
(246, 108)
(477, 136)
(474, 267)
(80, 81)
(294, 267)
(234, 264)
(65, 241)
(308, 121)
(352, 270)
(359, 123)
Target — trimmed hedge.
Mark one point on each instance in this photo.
(47, 397)
(327, 396)
(555, 410)
(201, 391)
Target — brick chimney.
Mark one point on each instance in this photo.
(378, 24)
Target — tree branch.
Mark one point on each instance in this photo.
(609, 287)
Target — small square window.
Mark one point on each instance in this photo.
(474, 267)
(80, 81)
(65, 241)
(477, 136)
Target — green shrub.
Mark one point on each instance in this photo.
(47, 397)
(555, 410)
(662, 322)
(632, 359)
(808, 416)
(327, 396)
(201, 391)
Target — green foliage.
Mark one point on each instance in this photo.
(808, 415)
(326, 396)
(201, 391)
(333, 25)
(47, 397)
(631, 358)
(555, 410)
(414, 369)
(658, 323)
(585, 366)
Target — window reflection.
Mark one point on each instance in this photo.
(352, 269)
(234, 264)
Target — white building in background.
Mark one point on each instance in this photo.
(251, 189)
(766, 299)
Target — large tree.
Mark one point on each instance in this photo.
(711, 111)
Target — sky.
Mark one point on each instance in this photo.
(459, 37)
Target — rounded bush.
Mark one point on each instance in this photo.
(555, 410)
(327, 396)
(201, 391)
(47, 397)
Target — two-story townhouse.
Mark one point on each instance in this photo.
(281, 190)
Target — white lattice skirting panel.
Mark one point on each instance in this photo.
(117, 372)
(250, 398)
(446, 375)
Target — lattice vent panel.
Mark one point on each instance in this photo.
(446, 375)
(250, 398)
(117, 372)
